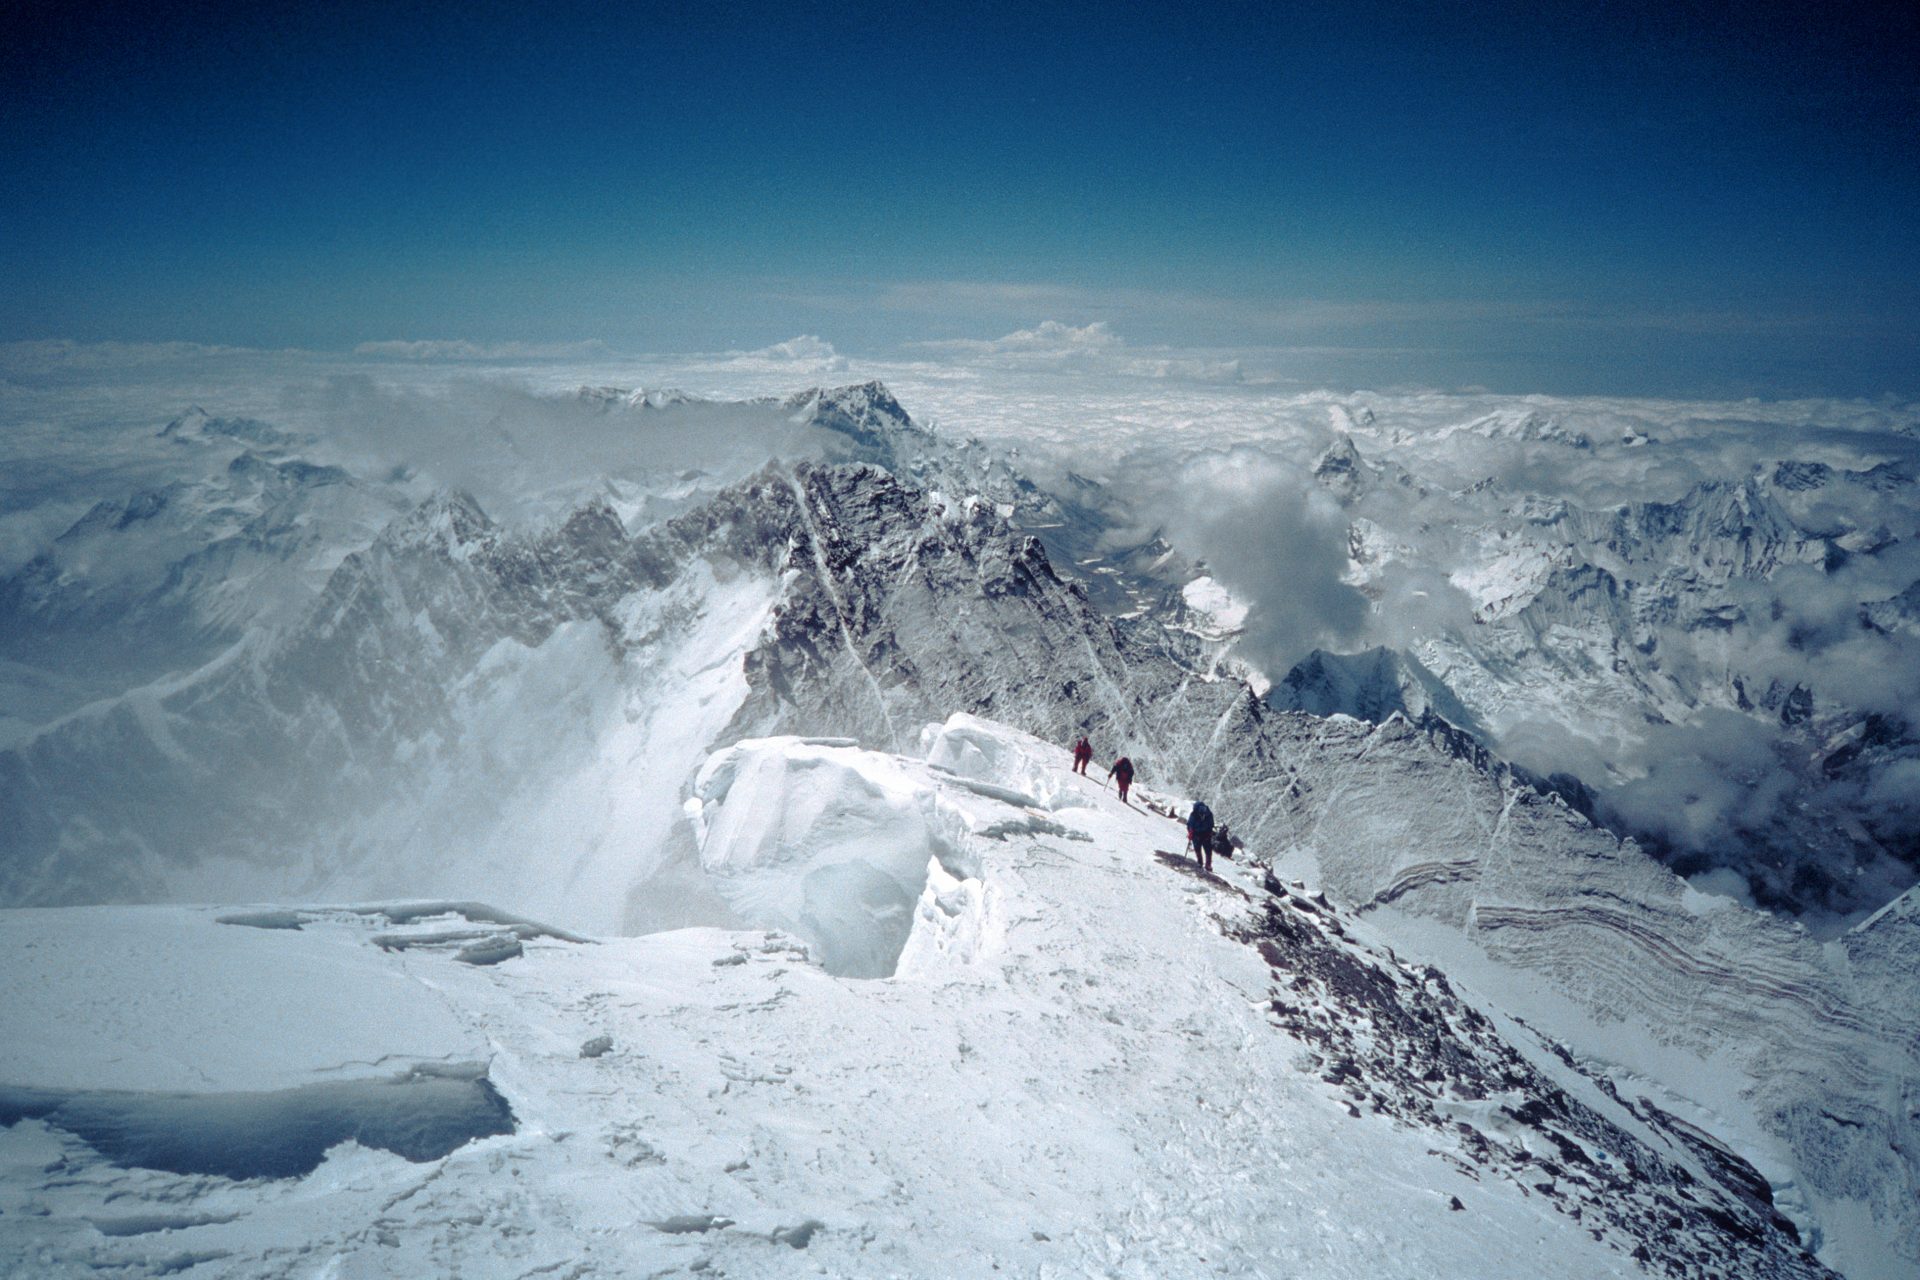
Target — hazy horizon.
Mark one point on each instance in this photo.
(1635, 200)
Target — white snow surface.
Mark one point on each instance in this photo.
(166, 999)
(1071, 1072)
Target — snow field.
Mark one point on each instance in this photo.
(166, 999)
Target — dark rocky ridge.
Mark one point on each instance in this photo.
(1395, 1039)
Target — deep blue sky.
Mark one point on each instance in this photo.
(1621, 197)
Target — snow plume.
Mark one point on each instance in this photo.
(1279, 541)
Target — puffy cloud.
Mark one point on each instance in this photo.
(1895, 792)
(1090, 349)
(806, 355)
(1699, 781)
(1413, 602)
(806, 347)
(1049, 338)
(1278, 541)
(1187, 368)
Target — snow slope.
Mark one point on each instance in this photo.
(1087, 1060)
(1802, 1054)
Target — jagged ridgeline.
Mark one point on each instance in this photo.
(460, 708)
(464, 704)
(1715, 648)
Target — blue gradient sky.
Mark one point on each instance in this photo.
(1672, 198)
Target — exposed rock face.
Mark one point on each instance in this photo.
(1416, 823)
(1400, 1042)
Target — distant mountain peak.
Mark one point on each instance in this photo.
(870, 398)
(451, 519)
(865, 413)
(1342, 468)
(1373, 685)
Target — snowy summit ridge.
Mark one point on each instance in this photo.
(1242, 1056)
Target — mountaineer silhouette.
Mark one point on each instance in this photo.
(1200, 834)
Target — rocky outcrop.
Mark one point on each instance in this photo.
(1399, 1041)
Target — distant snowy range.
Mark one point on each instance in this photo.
(517, 811)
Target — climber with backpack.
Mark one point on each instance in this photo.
(1222, 842)
(1082, 754)
(1200, 835)
(1122, 773)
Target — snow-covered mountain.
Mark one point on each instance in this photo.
(1707, 665)
(460, 694)
(1375, 685)
(556, 719)
(161, 579)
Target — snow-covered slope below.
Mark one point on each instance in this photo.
(1699, 657)
(1088, 1059)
